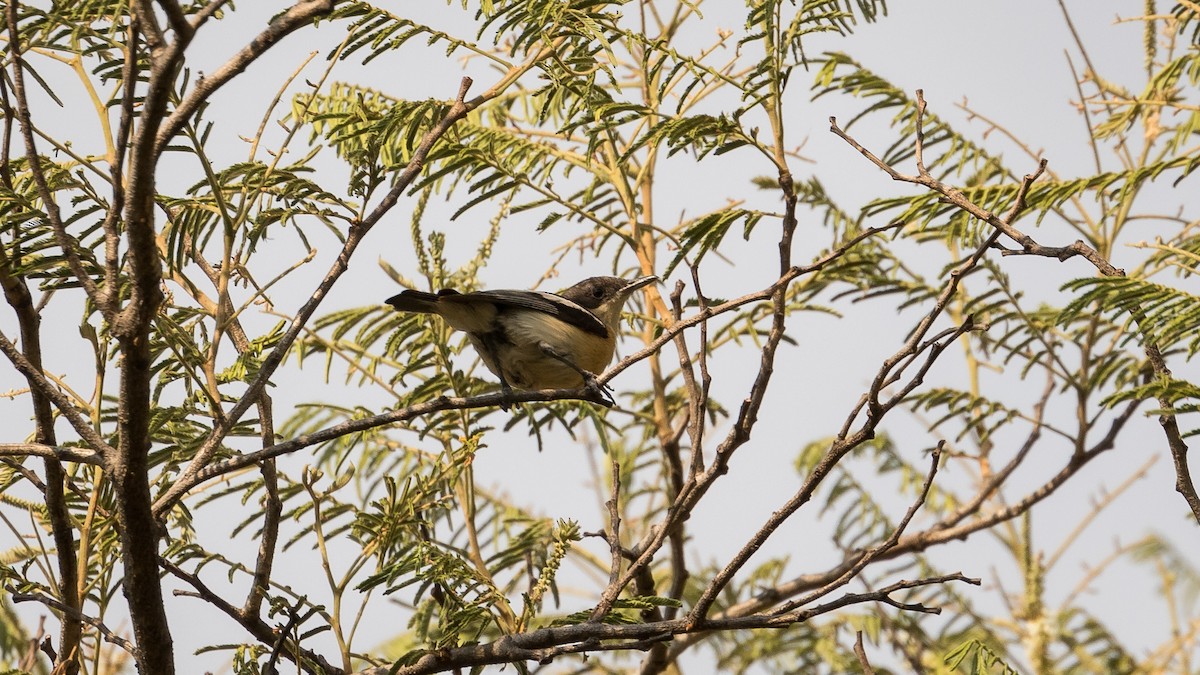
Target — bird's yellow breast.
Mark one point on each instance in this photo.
(527, 366)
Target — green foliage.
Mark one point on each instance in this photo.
(982, 659)
(1165, 316)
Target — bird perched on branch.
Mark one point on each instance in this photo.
(533, 339)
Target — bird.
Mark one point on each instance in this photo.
(533, 339)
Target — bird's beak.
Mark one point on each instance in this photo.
(639, 283)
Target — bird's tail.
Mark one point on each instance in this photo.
(414, 301)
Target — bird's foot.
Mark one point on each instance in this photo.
(601, 391)
(507, 392)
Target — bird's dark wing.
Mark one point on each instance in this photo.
(557, 306)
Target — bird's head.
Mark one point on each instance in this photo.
(605, 296)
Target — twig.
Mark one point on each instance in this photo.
(543, 645)
(261, 630)
(53, 603)
(861, 653)
(64, 454)
(354, 237)
(1107, 499)
(845, 443)
(1028, 246)
(697, 485)
(949, 529)
(31, 654)
(875, 552)
(888, 373)
(69, 245)
(297, 16)
(37, 379)
(294, 619)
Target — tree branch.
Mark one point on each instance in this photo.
(57, 452)
(69, 245)
(354, 237)
(543, 645)
(74, 613)
(297, 16)
(261, 630)
(1178, 448)
(38, 383)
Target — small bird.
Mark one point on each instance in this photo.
(533, 339)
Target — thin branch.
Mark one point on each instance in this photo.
(1106, 499)
(261, 630)
(841, 446)
(38, 380)
(747, 416)
(875, 552)
(1178, 448)
(439, 404)
(354, 237)
(861, 654)
(112, 233)
(69, 245)
(543, 645)
(297, 16)
(295, 618)
(887, 374)
(200, 18)
(61, 453)
(54, 604)
(669, 332)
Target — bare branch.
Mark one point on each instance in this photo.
(47, 388)
(261, 630)
(54, 604)
(64, 454)
(543, 645)
(861, 653)
(1028, 246)
(845, 443)
(875, 552)
(297, 16)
